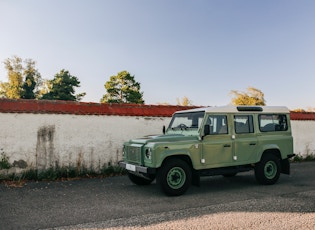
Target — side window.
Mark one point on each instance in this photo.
(243, 124)
(218, 124)
(273, 122)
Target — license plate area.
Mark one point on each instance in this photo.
(131, 167)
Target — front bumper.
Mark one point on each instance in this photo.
(137, 168)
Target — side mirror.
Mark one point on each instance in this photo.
(164, 129)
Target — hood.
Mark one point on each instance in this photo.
(163, 138)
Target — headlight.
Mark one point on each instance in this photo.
(123, 151)
(148, 153)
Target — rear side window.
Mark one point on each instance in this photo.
(273, 122)
(243, 124)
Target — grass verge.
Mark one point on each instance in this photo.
(59, 174)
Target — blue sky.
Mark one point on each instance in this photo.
(199, 49)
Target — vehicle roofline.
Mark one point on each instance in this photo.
(234, 109)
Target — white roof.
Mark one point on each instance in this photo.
(242, 109)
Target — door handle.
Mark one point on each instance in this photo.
(226, 145)
(252, 144)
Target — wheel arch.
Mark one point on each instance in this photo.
(273, 151)
(183, 157)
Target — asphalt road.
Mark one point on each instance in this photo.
(115, 203)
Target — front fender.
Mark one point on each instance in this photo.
(171, 153)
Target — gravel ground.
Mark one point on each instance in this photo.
(217, 217)
(230, 220)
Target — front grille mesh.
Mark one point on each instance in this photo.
(133, 154)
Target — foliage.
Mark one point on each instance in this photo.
(184, 101)
(308, 110)
(62, 173)
(62, 87)
(4, 161)
(122, 88)
(253, 96)
(307, 157)
(32, 82)
(299, 110)
(23, 81)
(13, 88)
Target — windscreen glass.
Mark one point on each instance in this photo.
(187, 121)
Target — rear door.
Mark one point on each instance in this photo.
(245, 139)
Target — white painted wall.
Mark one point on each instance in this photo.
(304, 137)
(45, 140)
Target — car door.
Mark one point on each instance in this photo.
(217, 147)
(245, 139)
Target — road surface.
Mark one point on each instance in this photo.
(115, 203)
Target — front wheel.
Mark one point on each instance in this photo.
(267, 171)
(174, 177)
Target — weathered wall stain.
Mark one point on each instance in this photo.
(20, 164)
(45, 150)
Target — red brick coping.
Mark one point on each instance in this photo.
(84, 108)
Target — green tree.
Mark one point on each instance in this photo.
(253, 96)
(13, 88)
(23, 81)
(122, 88)
(62, 87)
(32, 82)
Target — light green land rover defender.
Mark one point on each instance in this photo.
(213, 141)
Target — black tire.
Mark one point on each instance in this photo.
(267, 171)
(174, 177)
(140, 180)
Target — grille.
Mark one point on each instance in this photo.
(134, 154)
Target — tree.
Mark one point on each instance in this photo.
(13, 88)
(23, 82)
(184, 101)
(32, 82)
(62, 87)
(253, 96)
(122, 88)
(46, 86)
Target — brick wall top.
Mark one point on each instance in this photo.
(302, 115)
(83, 108)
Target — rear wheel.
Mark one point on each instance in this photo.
(140, 180)
(174, 177)
(267, 171)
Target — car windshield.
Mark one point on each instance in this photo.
(186, 121)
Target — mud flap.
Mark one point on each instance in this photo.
(285, 166)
